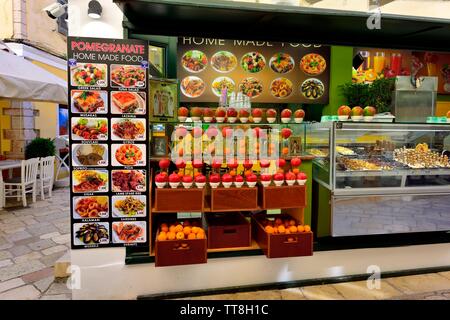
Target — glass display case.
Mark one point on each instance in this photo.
(383, 177)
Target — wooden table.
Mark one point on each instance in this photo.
(7, 165)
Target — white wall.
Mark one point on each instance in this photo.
(108, 26)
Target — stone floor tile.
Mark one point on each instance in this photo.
(258, 295)
(5, 263)
(62, 239)
(41, 244)
(292, 294)
(6, 245)
(49, 235)
(56, 297)
(11, 284)
(19, 250)
(358, 290)
(20, 269)
(27, 241)
(55, 249)
(37, 230)
(50, 260)
(445, 274)
(321, 292)
(27, 257)
(58, 288)
(38, 275)
(19, 235)
(44, 284)
(420, 283)
(5, 255)
(22, 293)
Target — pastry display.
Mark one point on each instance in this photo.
(318, 152)
(345, 151)
(421, 157)
(359, 165)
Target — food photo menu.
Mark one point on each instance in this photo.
(108, 81)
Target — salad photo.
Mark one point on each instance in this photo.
(128, 154)
(90, 207)
(89, 181)
(194, 61)
(128, 129)
(124, 102)
(253, 62)
(129, 232)
(251, 87)
(128, 206)
(89, 101)
(222, 82)
(89, 128)
(88, 74)
(128, 76)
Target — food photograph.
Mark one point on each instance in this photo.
(90, 207)
(223, 61)
(95, 233)
(89, 101)
(128, 180)
(253, 62)
(126, 102)
(88, 75)
(192, 86)
(89, 155)
(128, 154)
(194, 61)
(313, 64)
(129, 231)
(129, 206)
(251, 87)
(221, 83)
(281, 88)
(126, 76)
(128, 129)
(84, 181)
(282, 63)
(89, 128)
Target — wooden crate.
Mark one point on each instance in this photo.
(234, 199)
(178, 200)
(180, 252)
(282, 197)
(228, 230)
(278, 245)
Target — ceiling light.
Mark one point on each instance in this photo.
(95, 9)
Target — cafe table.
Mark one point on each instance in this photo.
(7, 165)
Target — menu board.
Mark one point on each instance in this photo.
(271, 72)
(108, 142)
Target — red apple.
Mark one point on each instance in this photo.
(239, 178)
(232, 164)
(174, 177)
(212, 132)
(200, 178)
(301, 176)
(220, 112)
(214, 178)
(183, 112)
(196, 112)
(180, 163)
(216, 163)
(164, 163)
(271, 113)
(231, 113)
(286, 133)
(243, 113)
(357, 111)
(197, 132)
(252, 177)
(161, 177)
(278, 176)
(290, 176)
(266, 177)
(369, 111)
(281, 163)
(344, 111)
(207, 112)
(248, 164)
(286, 113)
(264, 163)
(197, 163)
(227, 178)
(187, 179)
(295, 162)
(299, 113)
(257, 113)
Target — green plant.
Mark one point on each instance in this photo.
(377, 94)
(40, 147)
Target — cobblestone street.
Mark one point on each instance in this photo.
(31, 241)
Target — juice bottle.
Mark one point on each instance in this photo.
(396, 63)
(378, 62)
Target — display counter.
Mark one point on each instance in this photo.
(381, 178)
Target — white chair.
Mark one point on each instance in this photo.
(46, 175)
(26, 183)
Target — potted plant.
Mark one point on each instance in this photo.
(40, 148)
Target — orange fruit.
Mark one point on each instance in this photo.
(180, 235)
(191, 236)
(179, 228)
(200, 230)
(172, 228)
(269, 229)
(162, 236)
(296, 170)
(292, 222)
(293, 229)
(278, 221)
(285, 150)
(281, 229)
(187, 230)
(287, 231)
(171, 235)
(196, 174)
(300, 228)
(194, 230)
(164, 227)
(201, 235)
(275, 230)
(232, 173)
(307, 228)
(180, 152)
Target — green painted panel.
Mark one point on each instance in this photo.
(323, 210)
(306, 167)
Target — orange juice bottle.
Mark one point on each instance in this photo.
(378, 62)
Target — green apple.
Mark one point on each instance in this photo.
(357, 111)
(369, 111)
